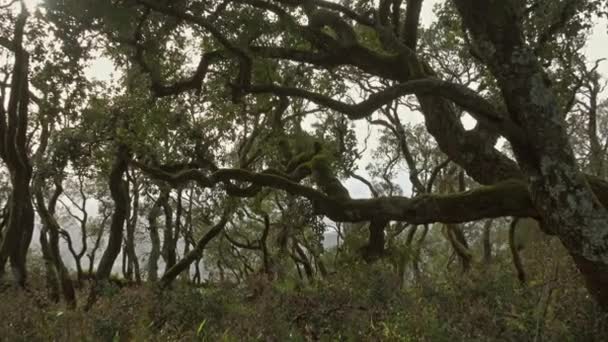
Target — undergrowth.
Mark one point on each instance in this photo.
(363, 304)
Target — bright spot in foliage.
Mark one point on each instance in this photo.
(31, 4)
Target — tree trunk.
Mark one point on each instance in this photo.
(597, 156)
(17, 234)
(91, 255)
(153, 216)
(75, 255)
(119, 192)
(264, 246)
(519, 267)
(303, 259)
(52, 280)
(133, 266)
(125, 263)
(168, 250)
(460, 245)
(558, 189)
(186, 275)
(178, 221)
(187, 230)
(50, 225)
(196, 279)
(375, 246)
(417, 253)
(487, 242)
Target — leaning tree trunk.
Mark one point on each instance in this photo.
(195, 254)
(558, 189)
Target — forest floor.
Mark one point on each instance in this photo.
(364, 304)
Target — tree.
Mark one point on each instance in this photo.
(236, 121)
(14, 152)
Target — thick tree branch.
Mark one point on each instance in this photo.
(507, 198)
(410, 26)
(385, 65)
(479, 108)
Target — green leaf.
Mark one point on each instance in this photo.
(201, 327)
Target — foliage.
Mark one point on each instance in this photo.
(217, 183)
(361, 303)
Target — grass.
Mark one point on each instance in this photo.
(364, 304)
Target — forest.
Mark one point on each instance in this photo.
(303, 170)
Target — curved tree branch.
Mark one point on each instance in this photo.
(196, 253)
(480, 108)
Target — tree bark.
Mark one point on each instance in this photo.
(178, 220)
(91, 255)
(52, 280)
(460, 245)
(487, 242)
(119, 192)
(52, 227)
(153, 216)
(75, 255)
(514, 248)
(169, 244)
(303, 259)
(133, 268)
(375, 246)
(17, 234)
(558, 189)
